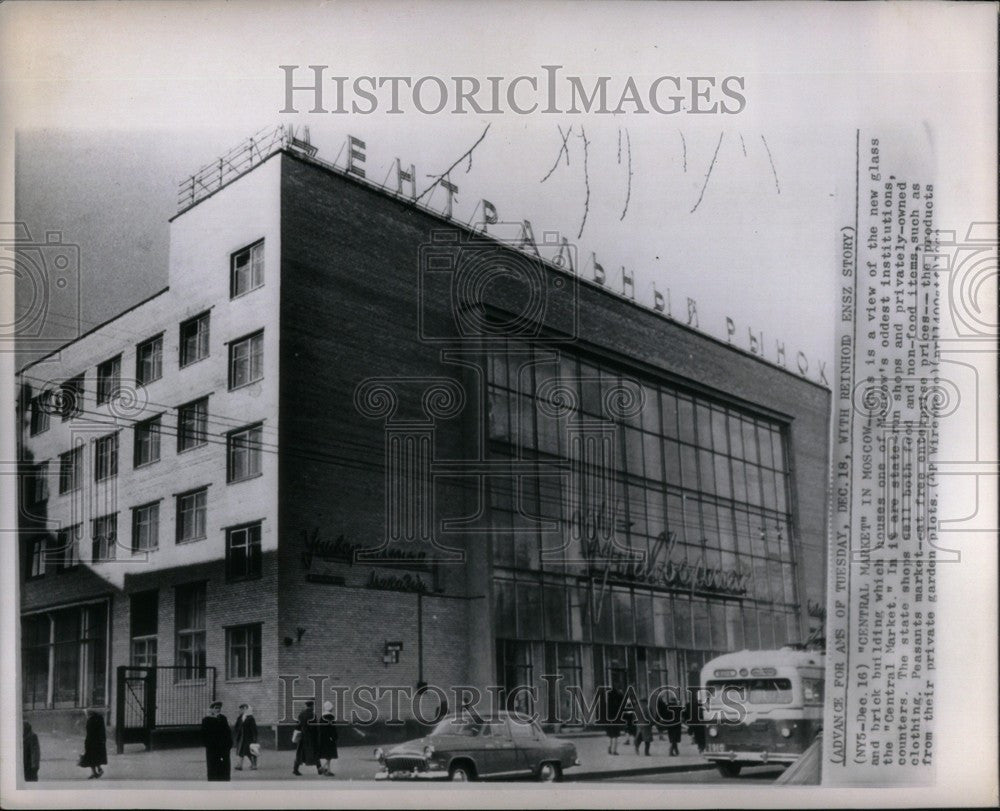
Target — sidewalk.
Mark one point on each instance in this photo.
(60, 754)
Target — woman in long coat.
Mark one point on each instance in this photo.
(326, 739)
(245, 733)
(95, 749)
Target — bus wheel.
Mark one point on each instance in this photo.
(729, 769)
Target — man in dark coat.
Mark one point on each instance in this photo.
(675, 726)
(305, 749)
(218, 740)
(32, 755)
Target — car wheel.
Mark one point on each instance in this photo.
(730, 769)
(460, 773)
(549, 773)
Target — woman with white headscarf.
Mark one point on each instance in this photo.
(245, 735)
(326, 740)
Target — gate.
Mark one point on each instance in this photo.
(151, 698)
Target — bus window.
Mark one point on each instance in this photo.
(812, 691)
(753, 691)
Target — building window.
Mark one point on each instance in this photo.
(109, 378)
(36, 640)
(194, 339)
(105, 537)
(191, 515)
(246, 360)
(192, 425)
(243, 552)
(190, 624)
(144, 651)
(246, 270)
(64, 656)
(149, 360)
(146, 527)
(106, 457)
(71, 398)
(243, 652)
(146, 447)
(40, 410)
(36, 557)
(63, 552)
(70, 470)
(244, 453)
(144, 625)
(38, 483)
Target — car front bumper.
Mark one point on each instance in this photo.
(427, 774)
(751, 757)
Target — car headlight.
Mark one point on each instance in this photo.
(428, 751)
(379, 754)
(713, 731)
(786, 732)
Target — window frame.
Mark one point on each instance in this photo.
(136, 549)
(254, 449)
(74, 534)
(106, 457)
(38, 489)
(203, 490)
(253, 251)
(76, 468)
(198, 591)
(109, 378)
(155, 343)
(37, 548)
(104, 543)
(252, 572)
(183, 433)
(249, 644)
(196, 320)
(72, 392)
(143, 425)
(41, 414)
(251, 355)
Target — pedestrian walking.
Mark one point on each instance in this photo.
(610, 717)
(305, 739)
(95, 749)
(218, 740)
(245, 738)
(628, 716)
(32, 755)
(643, 727)
(675, 724)
(326, 740)
(695, 720)
(662, 713)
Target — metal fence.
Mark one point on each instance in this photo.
(163, 696)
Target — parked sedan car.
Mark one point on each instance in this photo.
(463, 748)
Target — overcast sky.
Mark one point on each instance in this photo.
(114, 104)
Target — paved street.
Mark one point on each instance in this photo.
(756, 775)
(356, 763)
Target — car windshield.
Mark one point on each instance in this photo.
(458, 726)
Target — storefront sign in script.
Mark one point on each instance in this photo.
(659, 568)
